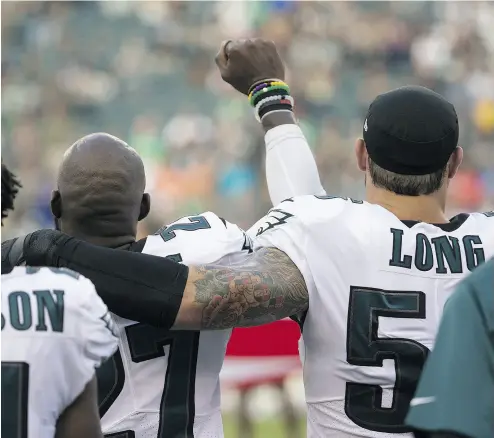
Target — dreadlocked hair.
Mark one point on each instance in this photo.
(10, 187)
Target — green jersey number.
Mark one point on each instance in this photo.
(363, 402)
(177, 401)
(15, 397)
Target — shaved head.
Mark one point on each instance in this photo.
(101, 184)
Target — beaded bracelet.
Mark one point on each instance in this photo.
(273, 103)
(264, 83)
(270, 95)
(273, 100)
(265, 90)
(275, 92)
(274, 107)
(266, 86)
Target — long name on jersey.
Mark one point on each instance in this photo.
(377, 287)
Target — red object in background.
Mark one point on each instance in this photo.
(263, 354)
(279, 338)
(466, 190)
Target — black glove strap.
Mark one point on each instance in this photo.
(135, 286)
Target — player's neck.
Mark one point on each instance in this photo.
(416, 208)
(120, 241)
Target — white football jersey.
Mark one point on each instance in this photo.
(55, 331)
(165, 384)
(377, 287)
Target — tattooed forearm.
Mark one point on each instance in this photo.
(264, 288)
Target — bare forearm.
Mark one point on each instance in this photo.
(267, 287)
(274, 119)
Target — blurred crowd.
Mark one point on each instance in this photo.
(144, 72)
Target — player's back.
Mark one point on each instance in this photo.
(55, 331)
(377, 287)
(165, 384)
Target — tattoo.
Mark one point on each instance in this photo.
(266, 287)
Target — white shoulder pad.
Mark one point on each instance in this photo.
(204, 238)
(307, 210)
(484, 224)
(291, 224)
(84, 316)
(487, 218)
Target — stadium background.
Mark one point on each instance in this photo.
(144, 72)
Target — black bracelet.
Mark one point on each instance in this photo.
(279, 92)
(267, 108)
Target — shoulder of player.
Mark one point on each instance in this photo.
(62, 291)
(44, 275)
(484, 215)
(215, 220)
(479, 223)
(78, 291)
(201, 221)
(304, 212)
(314, 207)
(204, 235)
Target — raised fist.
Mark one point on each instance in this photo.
(242, 63)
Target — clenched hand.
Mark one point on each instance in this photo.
(242, 63)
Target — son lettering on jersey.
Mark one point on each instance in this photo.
(442, 253)
(44, 308)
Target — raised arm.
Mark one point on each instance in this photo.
(265, 287)
(254, 68)
(291, 169)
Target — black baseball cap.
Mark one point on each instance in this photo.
(411, 131)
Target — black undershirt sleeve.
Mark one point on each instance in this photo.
(7, 264)
(135, 286)
(423, 434)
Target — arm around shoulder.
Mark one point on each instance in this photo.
(266, 287)
(133, 285)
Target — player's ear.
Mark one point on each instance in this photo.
(56, 207)
(56, 204)
(361, 154)
(455, 161)
(145, 206)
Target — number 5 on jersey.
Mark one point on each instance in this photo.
(363, 402)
